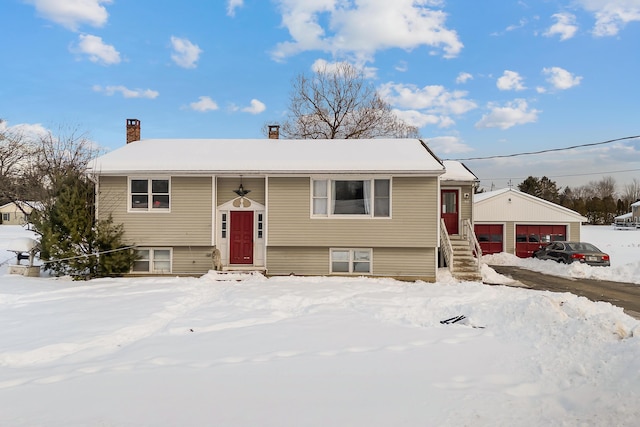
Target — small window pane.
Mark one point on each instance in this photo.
(161, 202)
(162, 254)
(340, 255)
(340, 267)
(160, 186)
(160, 266)
(320, 206)
(382, 187)
(361, 256)
(381, 207)
(139, 185)
(139, 201)
(141, 266)
(320, 188)
(361, 267)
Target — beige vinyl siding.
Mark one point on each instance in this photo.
(510, 238)
(192, 260)
(187, 223)
(405, 263)
(466, 205)
(574, 231)
(413, 224)
(306, 261)
(400, 263)
(226, 187)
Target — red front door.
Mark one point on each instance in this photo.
(241, 237)
(449, 210)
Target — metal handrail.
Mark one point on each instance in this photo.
(445, 245)
(470, 236)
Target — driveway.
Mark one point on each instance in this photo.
(625, 295)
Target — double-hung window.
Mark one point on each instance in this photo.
(368, 197)
(149, 194)
(352, 261)
(152, 261)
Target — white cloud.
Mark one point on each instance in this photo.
(510, 80)
(72, 13)
(336, 26)
(402, 66)
(433, 98)
(611, 16)
(96, 50)
(126, 92)
(565, 26)
(420, 119)
(256, 107)
(232, 5)
(447, 145)
(185, 54)
(463, 78)
(31, 131)
(513, 113)
(204, 104)
(560, 78)
(430, 105)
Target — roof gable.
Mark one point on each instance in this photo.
(508, 204)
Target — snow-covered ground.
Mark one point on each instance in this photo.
(295, 351)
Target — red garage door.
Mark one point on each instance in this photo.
(529, 238)
(490, 238)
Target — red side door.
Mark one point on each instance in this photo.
(241, 237)
(449, 210)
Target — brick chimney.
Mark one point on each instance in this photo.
(274, 132)
(133, 130)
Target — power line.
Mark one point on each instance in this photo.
(572, 175)
(550, 150)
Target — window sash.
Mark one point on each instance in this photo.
(152, 261)
(150, 194)
(351, 261)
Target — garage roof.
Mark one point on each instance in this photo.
(508, 204)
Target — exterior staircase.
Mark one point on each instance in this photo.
(465, 265)
(462, 253)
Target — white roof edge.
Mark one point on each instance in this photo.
(268, 172)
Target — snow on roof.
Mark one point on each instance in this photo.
(456, 171)
(270, 156)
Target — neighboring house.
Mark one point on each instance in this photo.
(511, 221)
(630, 219)
(304, 207)
(13, 213)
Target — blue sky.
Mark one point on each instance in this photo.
(479, 78)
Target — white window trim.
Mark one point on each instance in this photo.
(151, 250)
(353, 216)
(149, 208)
(351, 261)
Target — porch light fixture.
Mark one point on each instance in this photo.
(241, 191)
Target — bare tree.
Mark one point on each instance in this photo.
(632, 191)
(606, 187)
(338, 102)
(15, 151)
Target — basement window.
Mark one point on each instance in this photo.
(152, 260)
(351, 261)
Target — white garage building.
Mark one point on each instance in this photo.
(511, 221)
